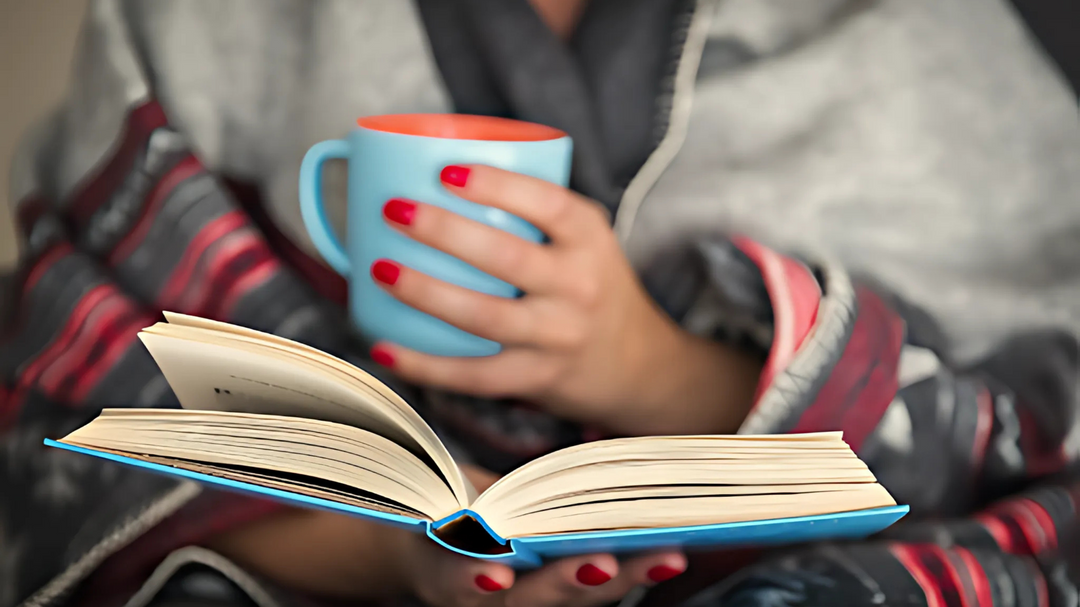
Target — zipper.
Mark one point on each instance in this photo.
(691, 35)
(134, 526)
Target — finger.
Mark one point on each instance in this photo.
(567, 582)
(561, 214)
(641, 571)
(653, 569)
(595, 580)
(526, 265)
(489, 579)
(646, 570)
(445, 578)
(501, 319)
(512, 372)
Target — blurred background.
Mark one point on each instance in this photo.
(37, 38)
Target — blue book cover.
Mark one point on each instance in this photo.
(527, 552)
(266, 416)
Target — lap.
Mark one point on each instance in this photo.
(886, 574)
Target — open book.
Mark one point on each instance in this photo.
(270, 416)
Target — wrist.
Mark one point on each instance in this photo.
(403, 558)
(323, 554)
(690, 385)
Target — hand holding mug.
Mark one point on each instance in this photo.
(400, 156)
(586, 340)
(446, 222)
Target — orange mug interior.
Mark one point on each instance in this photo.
(460, 126)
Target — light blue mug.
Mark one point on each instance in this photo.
(401, 156)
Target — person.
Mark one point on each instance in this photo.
(928, 145)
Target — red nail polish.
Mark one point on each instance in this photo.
(663, 573)
(399, 211)
(591, 575)
(455, 175)
(487, 584)
(385, 272)
(382, 356)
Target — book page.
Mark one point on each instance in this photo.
(210, 371)
(665, 448)
(232, 334)
(683, 511)
(668, 481)
(319, 452)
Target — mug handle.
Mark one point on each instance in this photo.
(311, 202)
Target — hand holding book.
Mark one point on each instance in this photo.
(349, 558)
(273, 417)
(586, 341)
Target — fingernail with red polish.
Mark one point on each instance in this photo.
(399, 211)
(663, 573)
(382, 356)
(591, 575)
(385, 272)
(487, 584)
(455, 175)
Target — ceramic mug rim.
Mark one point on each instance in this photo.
(462, 127)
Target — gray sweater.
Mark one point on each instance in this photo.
(927, 142)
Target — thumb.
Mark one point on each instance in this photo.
(489, 577)
(442, 577)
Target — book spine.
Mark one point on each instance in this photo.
(466, 532)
